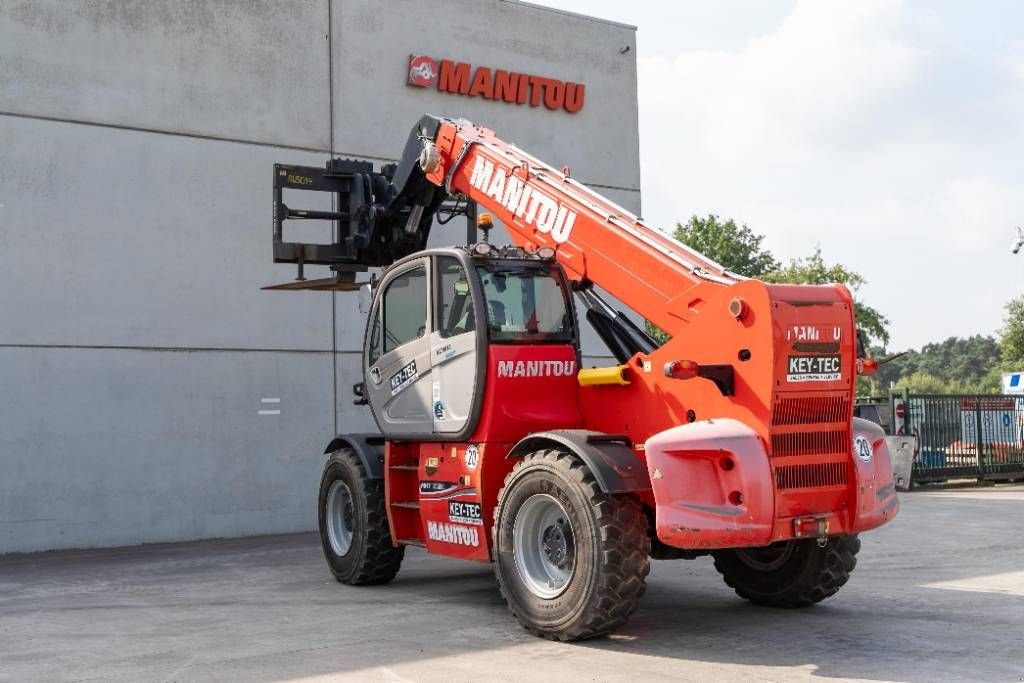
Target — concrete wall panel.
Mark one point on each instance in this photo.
(135, 190)
(237, 69)
(115, 447)
(126, 238)
(374, 40)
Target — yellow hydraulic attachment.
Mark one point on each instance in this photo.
(592, 377)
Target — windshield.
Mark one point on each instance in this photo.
(525, 305)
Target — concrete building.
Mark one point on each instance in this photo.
(150, 391)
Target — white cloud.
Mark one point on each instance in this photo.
(888, 133)
(780, 97)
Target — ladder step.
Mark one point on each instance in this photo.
(408, 504)
(407, 468)
(412, 541)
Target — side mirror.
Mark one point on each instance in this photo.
(365, 299)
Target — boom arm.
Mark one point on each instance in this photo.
(595, 240)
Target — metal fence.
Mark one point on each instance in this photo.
(962, 436)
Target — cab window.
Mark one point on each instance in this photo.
(374, 354)
(455, 302)
(405, 308)
(525, 304)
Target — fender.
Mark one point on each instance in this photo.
(713, 485)
(610, 458)
(369, 448)
(876, 499)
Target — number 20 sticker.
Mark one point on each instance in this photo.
(472, 458)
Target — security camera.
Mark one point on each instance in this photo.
(1020, 240)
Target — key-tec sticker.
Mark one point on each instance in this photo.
(453, 533)
(813, 369)
(465, 513)
(403, 378)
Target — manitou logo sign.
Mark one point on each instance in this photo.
(532, 206)
(536, 368)
(460, 78)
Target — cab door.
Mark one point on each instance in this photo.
(396, 354)
(457, 347)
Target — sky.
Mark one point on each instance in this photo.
(890, 134)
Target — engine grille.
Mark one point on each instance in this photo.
(811, 476)
(811, 410)
(834, 442)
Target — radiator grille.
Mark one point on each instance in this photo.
(811, 410)
(811, 476)
(810, 443)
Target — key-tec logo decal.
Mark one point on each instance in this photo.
(497, 84)
(465, 513)
(814, 369)
(403, 378)
(530, 205)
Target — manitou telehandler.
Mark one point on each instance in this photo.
(734, 438)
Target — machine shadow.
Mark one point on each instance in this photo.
(686, 621)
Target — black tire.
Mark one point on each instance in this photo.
(370, 558)
(791, 573)
(608, 542)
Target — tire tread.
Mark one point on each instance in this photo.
(381, 559)
(624, 562)
(834, 564)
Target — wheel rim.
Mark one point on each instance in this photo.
(544, 546)
(768, 558)
(340, 517)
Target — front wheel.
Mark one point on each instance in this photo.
(354, 525)
(570, 560)
(789, 573)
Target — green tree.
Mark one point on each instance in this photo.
(813, 270)
(736, 247)
(1011, 337)
(971, 363)
(740, 250)
(922, 383)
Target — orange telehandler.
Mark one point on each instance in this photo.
(734, 438)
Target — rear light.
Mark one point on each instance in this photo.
(810, 527)
(682, 369)
(867, 366)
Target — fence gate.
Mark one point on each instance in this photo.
(963, 436)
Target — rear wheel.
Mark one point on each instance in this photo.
(790, 573)
(570, 560)
(354, 529)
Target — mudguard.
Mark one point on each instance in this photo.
(369, 448)
(713, 485)
(613, 463)
(875, 495)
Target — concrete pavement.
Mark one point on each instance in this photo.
(938, 595)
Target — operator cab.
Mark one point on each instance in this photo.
(433, 318)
